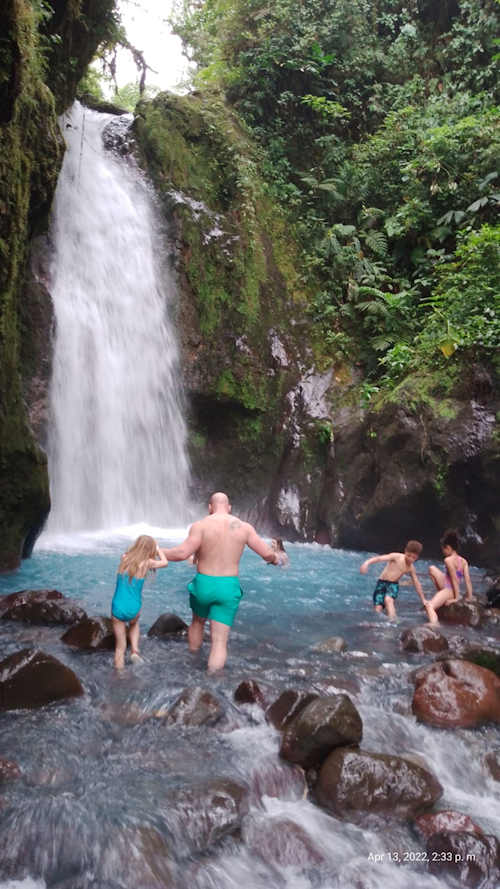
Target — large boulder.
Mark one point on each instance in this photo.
(168, 625)
(40, 607)
(205, 813)
(325, 723)
(450, 822)
(469, 859)
(454, 693)
(30, 678)
(194, 707)
(91, 634)
(354, 783)
(423, 639)
(288, 706)
(463, 613)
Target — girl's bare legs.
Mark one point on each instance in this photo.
(219, 634)
(120, 631)
(440, 598)
(438, 577)
(133, 635)
(195, 632)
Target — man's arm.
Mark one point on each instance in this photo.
(417, 585)
(187, 547)
(260, 547)
(368, 562)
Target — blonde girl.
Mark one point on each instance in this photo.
(143, 556)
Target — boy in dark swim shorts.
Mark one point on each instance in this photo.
(387, 587)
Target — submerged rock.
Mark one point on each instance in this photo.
(436, 822)
(353, 783)
(138, 855)
(325, 723)
(423, 639)
(283, 842)
(470, 859)
(273, 777)
(30, 679)
(289, 704)
(334, 645)
(203, 814)
(9, 770)
(492, 761)
(40, 607)
(91, 634)
(168, 625)
(194, 707)
(456, 693)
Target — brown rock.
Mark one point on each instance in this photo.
(436, 822)
(493, 762)
(468, 614)
(325, 723)
(423, 639)
(273, 777)
(354, 783)
(334, 645)
(9, 770)
(470, 859)
(288, 706)
(203, 814)
(283, 842)
(249, 692)
(195, 706)
(23, 597)
(31, 678)
(454, 693)
(168, 625)
(91, 634)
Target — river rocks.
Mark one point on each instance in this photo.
(354, 783)
(31, 679)
(436, 822)
(91, 634)
(455, 693)
(288, 706)
(137, 855)
(205, 813)
(283, 842)
(249, 692)
(195, 707)
(275, 778)
(470, 859)
(334, 645)
(325, 723)
(423, 639)
(40, 607)
(9, 770)
(492, 761)
(169, 625)
(467, 614)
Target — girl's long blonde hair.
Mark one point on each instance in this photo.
(134, 561)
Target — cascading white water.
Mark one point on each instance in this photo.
(117, 434)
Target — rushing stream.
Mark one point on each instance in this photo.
(117, 433)
(93, 808)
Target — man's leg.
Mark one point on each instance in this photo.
(120, 631)
(389, 607)
(195, 632)
(219, 634)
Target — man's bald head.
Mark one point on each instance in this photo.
(219, 502)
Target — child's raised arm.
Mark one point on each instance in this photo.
(160, 562)
(368, 562)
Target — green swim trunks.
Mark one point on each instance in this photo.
(215, 597)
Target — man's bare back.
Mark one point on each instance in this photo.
(223, 539)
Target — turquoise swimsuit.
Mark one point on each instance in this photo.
(127, 599)
(215, 597)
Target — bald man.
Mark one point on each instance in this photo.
(218, 541)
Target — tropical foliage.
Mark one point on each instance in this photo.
(379, 133)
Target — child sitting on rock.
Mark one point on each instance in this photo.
(143, 556)
(387, 587)
(448, 582)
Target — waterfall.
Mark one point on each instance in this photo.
(117, 434)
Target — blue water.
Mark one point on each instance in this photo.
(96, 770)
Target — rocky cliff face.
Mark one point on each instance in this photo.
(273, 420)
(42, 55)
